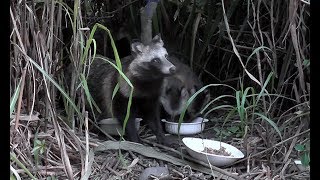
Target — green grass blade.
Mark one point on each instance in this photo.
(118, 65)
(113, 45)
(75, 14)
(14, 158)
(192, 98)
(89, 41)
(229, 115)
(239, 108)
(88, 95)
(270, 122)
(94, 48)
(128, 112)
(264, 86)
(244, 96)
(217, 107)
(14, 174)
(130, 96)
(214, 100)
(86, 89)
(255, 51)
(275, 95)
(56, 85)
(118, 69)
(115, 90)
(14, 98)
(92, 40)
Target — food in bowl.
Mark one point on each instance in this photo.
(196, 148)
(222, 151)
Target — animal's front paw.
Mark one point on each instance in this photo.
(135, 139)
(168, 141)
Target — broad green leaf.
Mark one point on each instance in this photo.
(306, 62)
(299, 147)
(305, 159)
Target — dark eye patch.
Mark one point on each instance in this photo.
(168, 90)
(156, 60)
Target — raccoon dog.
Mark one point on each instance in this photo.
(177, 89)
(146, 69)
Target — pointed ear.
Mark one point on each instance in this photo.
(137, 47)
(157, 39)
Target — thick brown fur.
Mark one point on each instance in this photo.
(145, 75)
(177, 89)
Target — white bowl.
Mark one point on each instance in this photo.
(194, 127)
(195, 146)
(113, 127)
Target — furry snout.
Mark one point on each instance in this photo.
(168, 68)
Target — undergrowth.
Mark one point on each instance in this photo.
(253, 56)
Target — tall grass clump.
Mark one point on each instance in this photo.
(38, 60)
(253, 57)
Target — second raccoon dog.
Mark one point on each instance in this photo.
(177, 89)
(145, 68)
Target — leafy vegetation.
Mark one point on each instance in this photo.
(253, 56)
